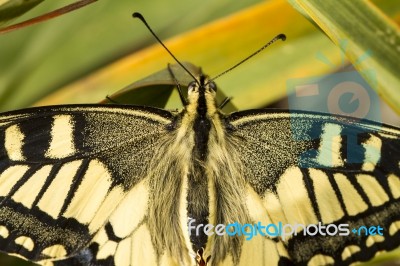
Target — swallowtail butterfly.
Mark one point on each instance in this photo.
(133, 185)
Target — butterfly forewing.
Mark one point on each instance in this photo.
(68, 174)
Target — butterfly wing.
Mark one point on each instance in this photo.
(69, 177)
(307, 168)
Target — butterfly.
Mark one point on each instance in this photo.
(138, 185)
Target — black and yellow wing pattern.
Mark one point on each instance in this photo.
(123, 185)
(324, 171)
(69, 173)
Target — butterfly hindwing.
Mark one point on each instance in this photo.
(308, 168)
(69, 174)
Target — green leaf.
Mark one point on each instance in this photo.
(216, 47)
(56, 53)
(156, 89)
(370, 40)
(11, 9)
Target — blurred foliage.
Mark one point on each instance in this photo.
(93, 52)
(57, 52)
(369, 39)
(10, 9)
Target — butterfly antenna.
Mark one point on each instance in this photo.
(139, 16)
(278, 37)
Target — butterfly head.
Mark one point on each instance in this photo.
(203, 87)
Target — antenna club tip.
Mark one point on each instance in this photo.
(137, 15)
(282, 37)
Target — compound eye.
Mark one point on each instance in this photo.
(192, 86)
(213, 86)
